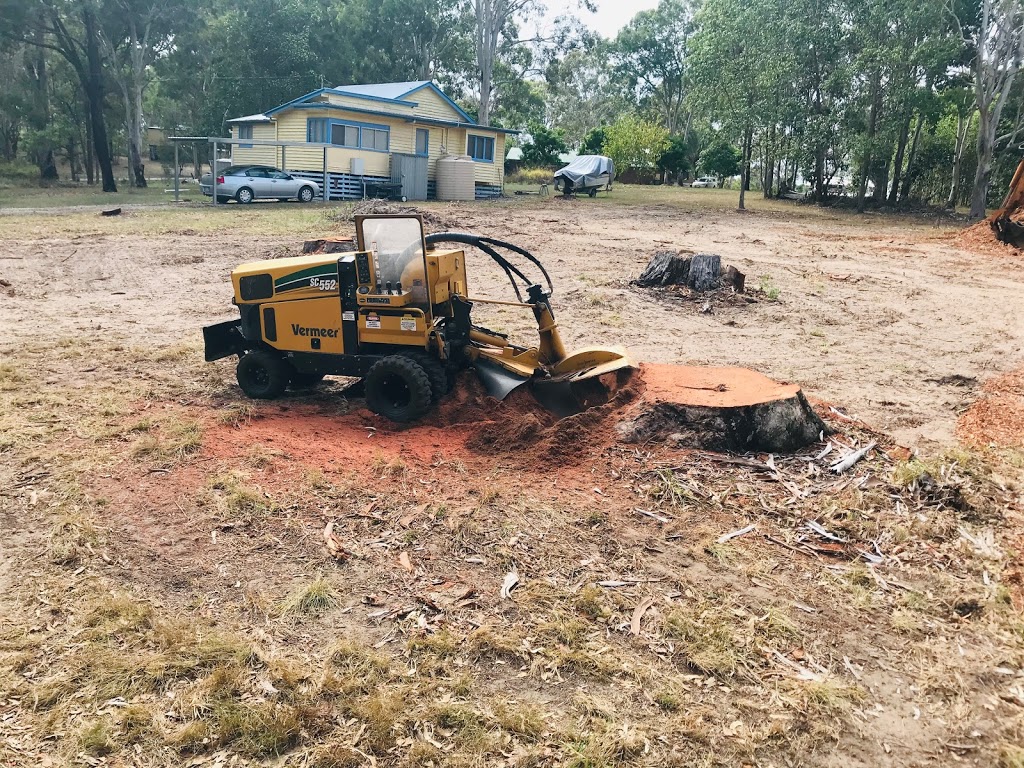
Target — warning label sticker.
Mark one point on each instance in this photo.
(408, 323)
(348, 315)
(373, 321)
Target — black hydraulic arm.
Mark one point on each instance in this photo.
(488, 246)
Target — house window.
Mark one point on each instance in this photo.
(316, 130)
(374, 138)
(422, 142)
(245, 132)
(344, 135)
(481, 148)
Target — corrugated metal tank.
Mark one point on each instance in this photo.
(456, 178)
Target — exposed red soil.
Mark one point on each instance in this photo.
(997, 418)
(469, 423)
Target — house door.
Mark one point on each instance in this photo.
(411, 172)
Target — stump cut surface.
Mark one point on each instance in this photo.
(711, 387)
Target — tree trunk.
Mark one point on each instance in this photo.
(865, 169)
(94, 93)
(983, 174)
(748, 139)
(40, 114)
(90, 157)
(908, 176)
(897, 166)
(963, 123)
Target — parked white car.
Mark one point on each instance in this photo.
(246, 183)
(709, 182)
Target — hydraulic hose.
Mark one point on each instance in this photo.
(488, 245)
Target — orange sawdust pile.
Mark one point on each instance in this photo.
(982, 239)
(997, 418)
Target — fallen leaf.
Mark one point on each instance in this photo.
(405, 561)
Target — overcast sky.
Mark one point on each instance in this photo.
(611, 15)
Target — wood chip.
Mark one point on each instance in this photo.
(638, 614)
(735, 534)
(510, 582)
(405, 561)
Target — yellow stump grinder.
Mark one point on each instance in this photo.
(397, 314)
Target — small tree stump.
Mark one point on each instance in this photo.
(702, 272)
(705, 272)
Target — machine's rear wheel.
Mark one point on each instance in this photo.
(398, 388)
(434, 368)
(262, 375)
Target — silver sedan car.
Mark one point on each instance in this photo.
(246, 183)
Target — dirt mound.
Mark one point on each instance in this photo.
(997, 418)
(981, 238)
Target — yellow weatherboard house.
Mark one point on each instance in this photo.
(367, 136)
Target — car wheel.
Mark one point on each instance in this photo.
(244, 195)
(306, 195)
(593, 192)
(398, 388)
(404, 199)
(222, 199)
(262, 375)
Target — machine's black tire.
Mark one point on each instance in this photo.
(306, 195)
(435, 370)
(245, 196)
(398, 388)
(593, 192)
(299, 380)
(262, 375)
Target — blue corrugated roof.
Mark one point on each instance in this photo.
(383, 90)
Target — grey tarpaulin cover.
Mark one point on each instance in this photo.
(588, 171)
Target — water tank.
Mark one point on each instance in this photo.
(456, 178)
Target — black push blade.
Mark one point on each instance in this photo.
(498, 381)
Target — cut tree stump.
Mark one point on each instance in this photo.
(701, 272)
(720, 409)
(704, 272)
(666, 268)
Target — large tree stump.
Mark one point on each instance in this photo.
(721, 409)
(701, 272)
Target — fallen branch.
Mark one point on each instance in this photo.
(844, 464)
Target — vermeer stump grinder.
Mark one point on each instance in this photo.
(397, 314)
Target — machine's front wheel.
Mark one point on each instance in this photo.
(435, 370)
(398, 388)
(262, 375)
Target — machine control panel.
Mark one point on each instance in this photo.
(363, 268)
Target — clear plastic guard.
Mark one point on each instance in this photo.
(396, 244)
